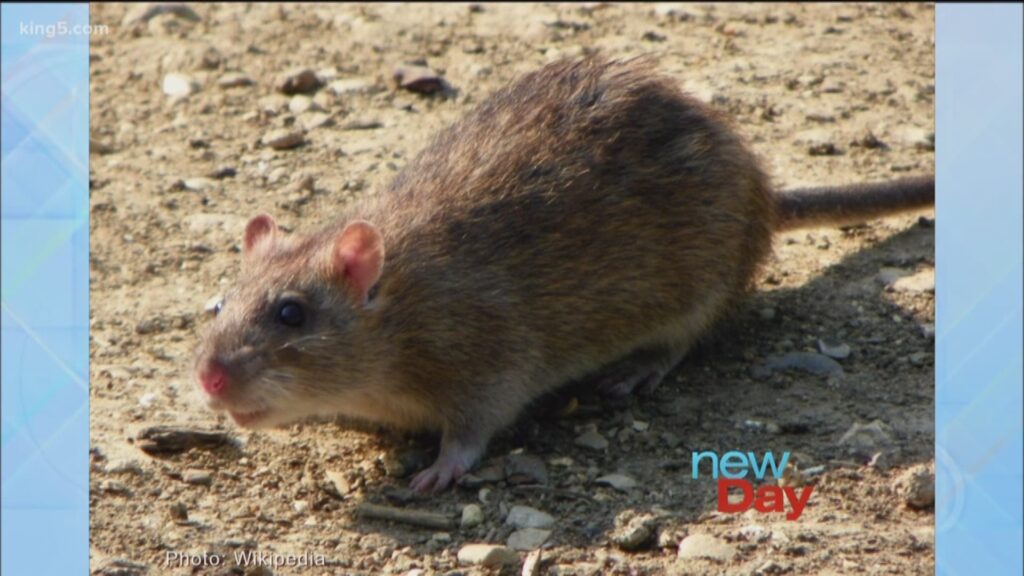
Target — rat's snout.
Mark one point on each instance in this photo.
(214, 378)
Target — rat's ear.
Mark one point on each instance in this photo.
(358, 257)
(260, 228)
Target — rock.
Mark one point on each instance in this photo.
(314, 120)
(337, 484)
(634, 532)
(114, 487)
(419, 79)
(620, 482)
(525, 469)
(771, 567)
(197, 184)
(144, 13)
(817, 142)
(300, 103)
(363, 125)
(867, 439)
(123, 466)
(234, 80)
(178, 512)
(121, 567)
(222, 172)
(591, 439)
(300, 81)
(197, 477)
(472, 515)
(283, 139)
(834, 349)
(868, 139)
(300, 506)
(810, 362)
(706, 546)
(754, 533)
(179, 85)
(921, 282)
(888, 276)
(528, 539)
(916, 487)
(928, 331)
(917, 138)
(526, 517)
(349, 86)
(487, 555)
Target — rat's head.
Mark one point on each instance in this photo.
(286, 338)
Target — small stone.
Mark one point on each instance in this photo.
(867, 439)
(303, 81)
(144, 13)
(817, 142)
(706, 546)
(121, 567)
(472, 515)
(178, 512)
(337, 484)
(834, 349)
(525, 469)
(314, 120)
(634, 532)
(888, 276)
(351, 86)
(419, 79)
(197, 477)
(147, 400)
(771, 567)
(921, 282)
(222, 172)
(652, 36)
(363, 125)
(810, 362)
(917, 138)
(234, 80)
(114, 487)
(283, 139)
(123, 466)
(620, 482)
(916, 487)
(928, 331)
(299, 104)
(528, 539)
(591, 439)
(487, 555)
(526, 517)
(197, 184)
(300, 506)
(755, 533)
(868, 139)
(441, 537)
(178, 85)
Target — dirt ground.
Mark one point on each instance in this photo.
(825, 94)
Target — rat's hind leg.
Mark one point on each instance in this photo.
(640, 371)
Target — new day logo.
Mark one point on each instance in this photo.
(734, 467)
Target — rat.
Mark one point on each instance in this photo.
(589, 221)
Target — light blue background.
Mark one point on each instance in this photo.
(979, 368)
(44, 293)
(979, 157)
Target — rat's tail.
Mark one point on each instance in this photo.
(827, 205)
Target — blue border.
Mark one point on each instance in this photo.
(44, 292)
(978, 406)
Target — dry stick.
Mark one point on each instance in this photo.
(414, 517)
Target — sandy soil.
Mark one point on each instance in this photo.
(852, 83)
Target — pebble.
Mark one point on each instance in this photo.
(197, 184)
(868, 139)
(528, 539)
(705, 546)
(178, 512)
(121, 567)
(418, 79)
(918, 138)
(197, 477)
(620, 482)
(866, 439)
(337, 484)
(887, 276)
(300, 506)
(114, 487)
(525, 469)
(178, 85)
(145, 13)
(771, 567)
(591, 439)
(472, 515)
(634, 532)
(301, 81)
(817, 142)
(487, 555)
(810, 362)
(234, 80)
(351, 86)
(755, 533)
(526, 517)
(834, 349)
(314, 120)
(123, 466)
(921, 282)
(916, 487)
(222, 172)
(300, 103)
(283, 139)
(928, 331)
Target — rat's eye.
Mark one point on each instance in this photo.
(291, 314)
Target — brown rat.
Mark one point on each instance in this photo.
(588, 220)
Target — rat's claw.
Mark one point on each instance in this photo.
(439, 476)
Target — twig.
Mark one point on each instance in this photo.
(403, 516)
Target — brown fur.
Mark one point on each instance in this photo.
(587, 212)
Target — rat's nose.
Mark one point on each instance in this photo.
(214, 379)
